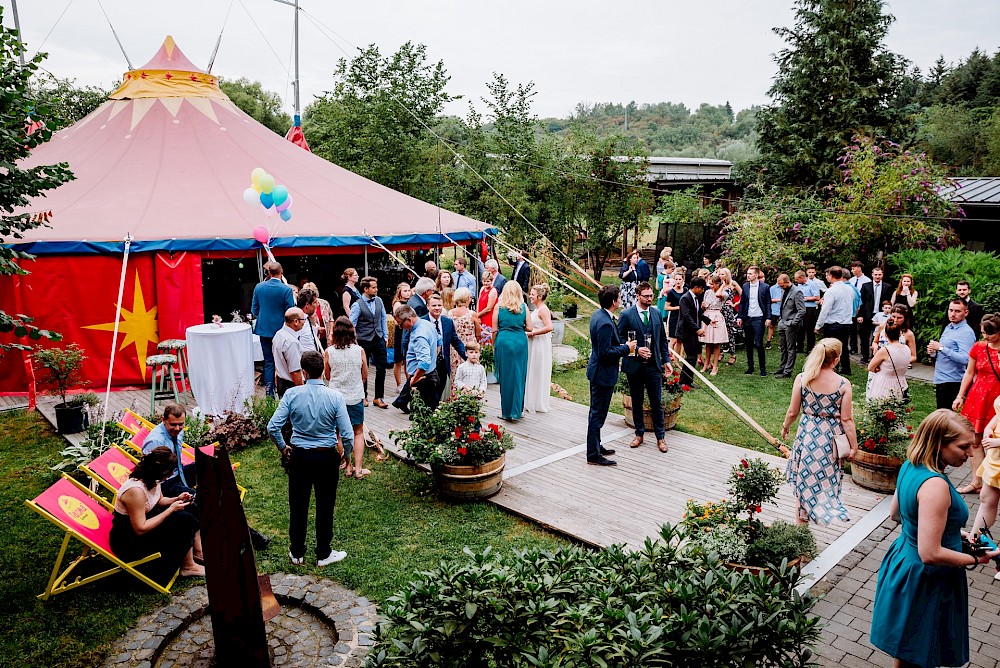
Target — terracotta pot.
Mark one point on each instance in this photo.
(797, 562)
(470, 483)
(875, 472)
(671, 411)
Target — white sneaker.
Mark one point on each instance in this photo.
(296, 561)
(334, 557)
(997, 576)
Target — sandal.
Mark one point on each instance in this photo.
(343, 464)
(732, 361)
(375, 443)
(969, 489)
(362, 473)
(349, 471)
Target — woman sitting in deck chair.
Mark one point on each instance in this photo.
(145, 521)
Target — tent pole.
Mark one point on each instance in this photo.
(114, 336)
(260, 268)
(366, 262)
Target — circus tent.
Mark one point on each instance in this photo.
(164, 161)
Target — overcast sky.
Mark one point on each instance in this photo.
(584, 51)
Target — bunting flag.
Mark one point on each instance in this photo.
(76, 296)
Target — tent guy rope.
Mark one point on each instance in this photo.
(114, 336)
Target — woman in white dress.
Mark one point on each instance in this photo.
(346, 365)
(536, 388)
(887, 370)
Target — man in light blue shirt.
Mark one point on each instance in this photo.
(812, 292)
(421, 356)
(951, 354)
(837, 313)
(321, 431)
(462, 277)
(170, 433)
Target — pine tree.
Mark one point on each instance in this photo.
(836, 78)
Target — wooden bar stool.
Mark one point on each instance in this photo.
(178, 347)
(161, 372)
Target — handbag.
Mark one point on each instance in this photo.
(843, 446)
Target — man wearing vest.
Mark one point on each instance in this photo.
(370, 323)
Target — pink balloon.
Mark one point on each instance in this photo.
(284, 205)
(261, 234)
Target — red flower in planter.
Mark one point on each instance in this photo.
(458, 432)
(686, 388)
(472, 419)
(757, 509)
(741, 475)
(890, 415)
(869, 444)
(462, 451)
(744, 463)
(474, 436)
(883, 440)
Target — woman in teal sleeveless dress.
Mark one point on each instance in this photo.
(921, 614)
(510, 349)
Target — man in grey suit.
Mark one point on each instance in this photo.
(793, 313)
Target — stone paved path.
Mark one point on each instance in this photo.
(849, 591)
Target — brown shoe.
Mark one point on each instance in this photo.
(380, 403)
(636, 442)
(662, 445)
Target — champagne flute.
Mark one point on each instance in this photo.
(631, 337)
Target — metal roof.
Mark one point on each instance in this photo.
(968, 190)
(688, 169)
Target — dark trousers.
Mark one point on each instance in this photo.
(807, 334)
(788, 337)
(309, 469)
(442, 374)
(429, 389)
(753, 336)
(268, 353)
(375, 350)
(841, 333)
(600, 402)
(281, 386)
(865, 331)
(174, 487)
(853, 339)
(405, 393)
(946, 393)
(692, 349)
(647, 380)
(172, 538)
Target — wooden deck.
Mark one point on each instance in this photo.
(8, 403)
(136, 400)
(548, 481)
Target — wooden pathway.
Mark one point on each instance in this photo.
(548, 481)
(136, 400)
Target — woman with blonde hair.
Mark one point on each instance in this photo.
(536, 387)
(732, 291)
(510, 349)
(921, 612)
(466, 325)
(824, 400)
(447, 299)
(403, 293)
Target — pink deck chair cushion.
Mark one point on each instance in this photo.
(78, 511)
(113, 467)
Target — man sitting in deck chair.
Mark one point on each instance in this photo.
(170, 434)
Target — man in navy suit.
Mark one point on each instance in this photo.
(689, 327)
(447, 337)
(643, 369)
(754, 317)
(602, 371)
(271, 298)
(522, 272)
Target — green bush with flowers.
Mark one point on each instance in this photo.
(452, 433)
(732, 529)
(882, 427)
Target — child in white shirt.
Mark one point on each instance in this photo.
(470, 373)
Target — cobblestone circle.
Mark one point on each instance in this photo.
(320, 624)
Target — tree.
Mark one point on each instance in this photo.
(836, 78)
(64, 99)
(373, 121)
(261, 105)
(18, 185)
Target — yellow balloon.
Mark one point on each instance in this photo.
(266, 183)
(255, 187)
(255, 177)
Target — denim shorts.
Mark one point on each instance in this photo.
(356, 413)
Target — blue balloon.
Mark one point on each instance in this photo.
(286, 215)
(266, 200)
(279, 194)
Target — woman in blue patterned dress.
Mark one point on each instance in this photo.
(921, 614)
(824, 399)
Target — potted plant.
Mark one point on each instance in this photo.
(883, 437)
(486, 353)
(467, 460)
(673, 397)
(63, 373)
(732, 529)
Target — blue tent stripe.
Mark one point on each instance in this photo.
(177, 245)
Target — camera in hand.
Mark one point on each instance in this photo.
(984, 543)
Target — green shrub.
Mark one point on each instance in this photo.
(196, 430)
(260, 410)
(780, 540)
(663, 605)
(935, 273)
(92, 446)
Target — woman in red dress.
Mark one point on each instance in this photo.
(980, 388)
(487, 300)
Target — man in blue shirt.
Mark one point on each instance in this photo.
(951, 354)
(812, 289)
(271, 299)
(170, 433)
(421, 357)
(318, 416)
(462, 277)
(838, 312)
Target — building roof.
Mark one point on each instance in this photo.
(167, 159)
(968, 190)
(689, 169)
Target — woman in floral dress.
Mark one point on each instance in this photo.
(466, 325)
(824, 399)
(729, 313)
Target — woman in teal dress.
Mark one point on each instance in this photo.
(510, 349)
(921, 615)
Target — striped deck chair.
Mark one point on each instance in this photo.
(111, 469)
(86, 517)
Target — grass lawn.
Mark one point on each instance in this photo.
(390, 524)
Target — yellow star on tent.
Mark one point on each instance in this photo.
(139, 326)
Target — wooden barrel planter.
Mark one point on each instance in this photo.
(671, 411)
(470, 483)
(875, 472)
(797, 562)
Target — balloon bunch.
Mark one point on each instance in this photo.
(273, 197)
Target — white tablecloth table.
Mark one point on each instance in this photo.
(221, 366)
